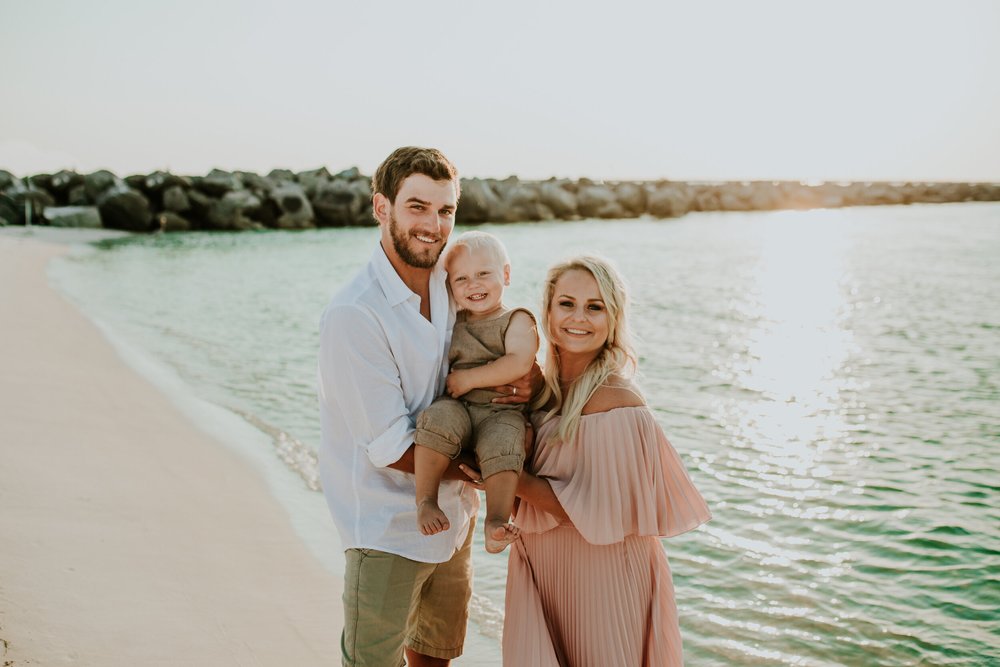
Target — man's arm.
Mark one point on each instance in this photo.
(360, 385)
(521, 345)
(454, 470)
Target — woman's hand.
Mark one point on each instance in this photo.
(475, 477)
(538, 492)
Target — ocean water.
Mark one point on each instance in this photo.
(831, 379)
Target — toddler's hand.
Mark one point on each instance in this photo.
(454, 384)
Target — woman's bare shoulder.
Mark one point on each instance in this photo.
(616, 392)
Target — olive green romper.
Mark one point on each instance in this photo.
(496, 432)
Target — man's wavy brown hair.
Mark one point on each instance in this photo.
(411, 160)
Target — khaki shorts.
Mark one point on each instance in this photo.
(391, 601)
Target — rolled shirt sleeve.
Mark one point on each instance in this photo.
(360, 382)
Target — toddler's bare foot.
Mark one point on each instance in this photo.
(499, 534)
(430, 518)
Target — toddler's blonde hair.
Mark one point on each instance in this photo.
(476, 240)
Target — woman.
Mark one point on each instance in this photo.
(588, 584)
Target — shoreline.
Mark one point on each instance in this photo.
(131, 535)
(210, 447)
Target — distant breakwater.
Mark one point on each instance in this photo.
(235, 201)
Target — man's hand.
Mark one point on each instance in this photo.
(456, 468)
(521, 390)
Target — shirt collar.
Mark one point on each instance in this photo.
(395, 290)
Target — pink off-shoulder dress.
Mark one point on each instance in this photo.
(599, 593)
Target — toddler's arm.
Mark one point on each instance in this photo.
(521, 345)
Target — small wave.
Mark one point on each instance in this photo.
(487, 615)
(949, 530)
(294, 453)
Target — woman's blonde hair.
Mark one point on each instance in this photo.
(615, 357)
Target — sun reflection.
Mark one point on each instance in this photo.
(792, 353)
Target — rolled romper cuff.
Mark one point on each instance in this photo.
(439, 443)
(512, 462)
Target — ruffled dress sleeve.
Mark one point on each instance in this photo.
(618, 477)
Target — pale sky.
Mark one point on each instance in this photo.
(813, 90)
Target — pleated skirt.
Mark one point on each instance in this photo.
(571, 603)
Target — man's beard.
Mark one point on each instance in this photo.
(417, 259)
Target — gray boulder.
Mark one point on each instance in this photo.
(126, 209)
(258, 184)
(277, 175)
(734, 197)
(14, 186)
(217, 183)
(363, 188)
(669, 200)
(73, 216)
(523, 203)
(829, 195)
(175, 199)
(598, 201)
(763, 196)
(63, 182)
(986, 192)
(558, 199)
(295, 211)
(8, 211)
(77, 196)
(632, 197)
(200, 206)
(339, 203)
(137, 182)
(799, 196)
(883, 194)
(569, 186)
(503, 187)
(42, 182)
(479, 202)
(99, 182)
(311, 180)
(705, 198)
(168, 221)
(161, 181)
(234, 212)
(6, 178)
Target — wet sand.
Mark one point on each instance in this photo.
(130, 536)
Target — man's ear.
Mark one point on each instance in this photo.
(506, 275)
(381, 208)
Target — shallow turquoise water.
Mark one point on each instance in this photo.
(831, 378)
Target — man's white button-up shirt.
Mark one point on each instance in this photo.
(380, 363)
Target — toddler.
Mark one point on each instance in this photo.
(491, 345)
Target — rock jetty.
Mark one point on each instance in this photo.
(239, 200)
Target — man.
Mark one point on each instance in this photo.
(383, 358)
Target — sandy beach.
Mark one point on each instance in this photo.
(131, 537)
